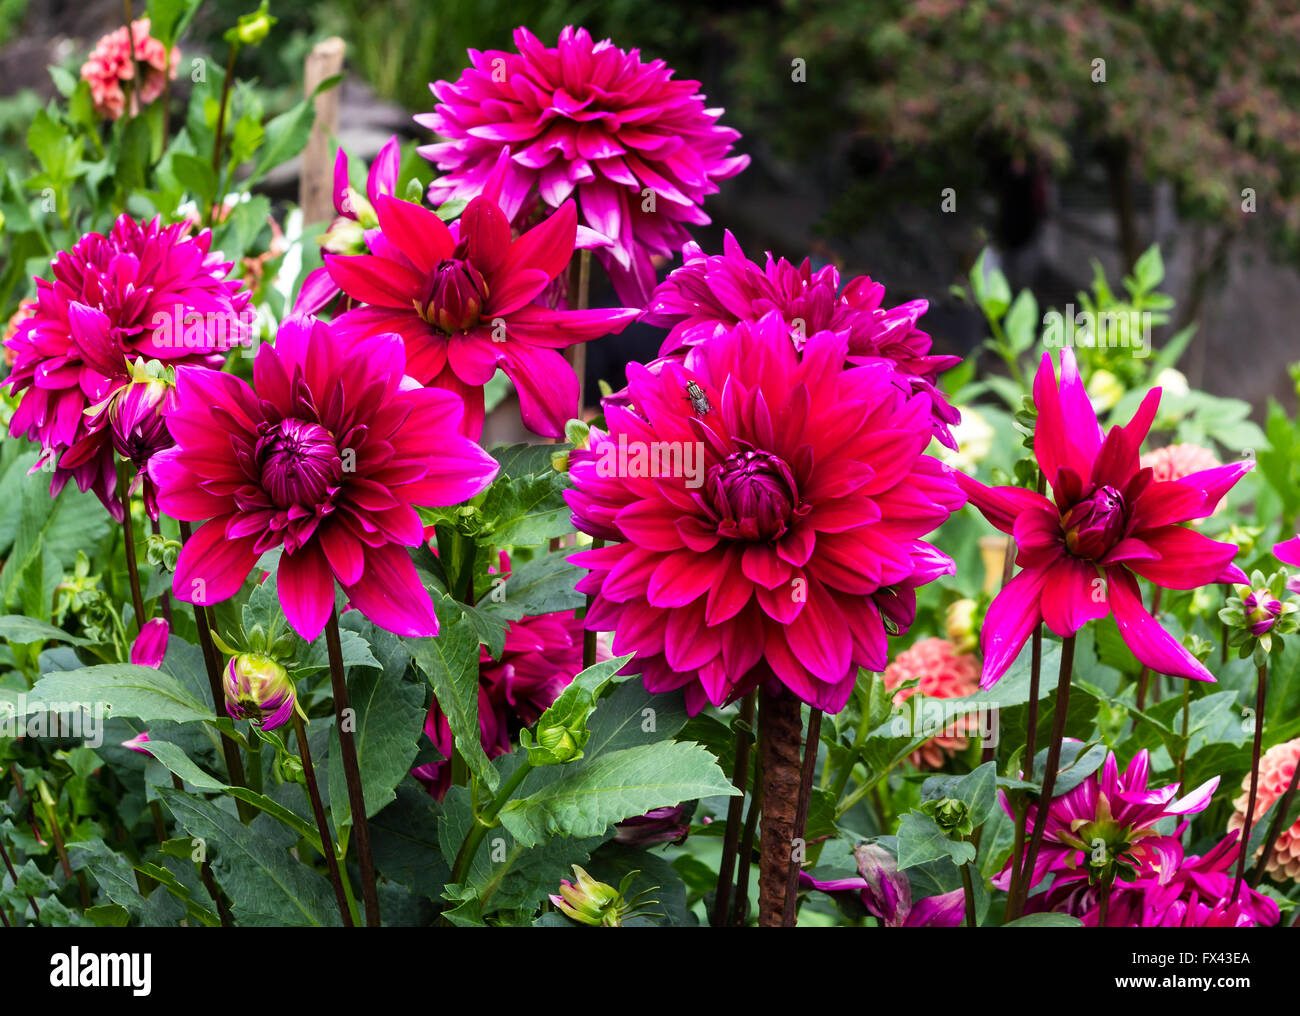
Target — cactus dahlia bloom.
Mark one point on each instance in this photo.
(542, 655)
(728, 288)
(934, 668)
(1108, 523)
(766, 514)
(143, 290)
(112, 62)
(327, 456)
(1276, 769)
(462, 299)
(638, 150)
(1108, 822)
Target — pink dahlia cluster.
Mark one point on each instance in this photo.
(937, 670)
(326, 457)
(144, 291)
(542, 655)
(638, 150)
(111, 70)
(1110, 820)
(713, 290)
(1276, 769)
(1108, 522)
(463, 300)
(765, 513)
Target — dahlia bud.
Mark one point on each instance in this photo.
(137, 413)
(661, 825)
(959, 624)
(259, 690)
(1262, 609)
(1258, 614)
(1095, 524)
(951, 815)
(346, 235)
(251, 29)
(1104, 390)
(557, 744)
(754, 493)
(596, 903)
(453, 295)
(150, 646)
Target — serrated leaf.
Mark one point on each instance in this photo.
(124, 690)
(920, 840)
(23, 630)
(450, 662)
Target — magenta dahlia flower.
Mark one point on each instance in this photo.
(1288, 552)
(638, 150)
(462, 301)
(885, 893)
(326, 456)
(765, 514)
(708, 291)
(1108, 522)
(542, 655)
(143, 290)
(1110, 819)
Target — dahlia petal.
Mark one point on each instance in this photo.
(1187, 559)
(1216, 483)
(1147, 640)
(1012, 616)
(306, 587)
(390, 594)
(547, 387)
(375, 280)
(1073, 594)
(548, 246)
(417, 232)
(1288, 552)
(1001, 505)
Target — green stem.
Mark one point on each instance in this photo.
(128, 537)
(338, 878)
(1187, 711)
(254, 761)
(968, 891)
(221, 125)
(1261, 694)
(488, 820)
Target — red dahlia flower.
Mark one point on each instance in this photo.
(728, 288)
(144, 290)
(765, 512)
(638, 150)
(1108, 522)
(326, 456)
(463, 303)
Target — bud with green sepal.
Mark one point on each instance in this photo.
(258, 689)
(599, 905)
(1259, 615)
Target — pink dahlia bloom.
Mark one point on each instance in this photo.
(765, 513)
(542, 655)
(1191, 892)
(1276, 768)
(112, 62)
(356, 215)
(462, 299)
(1173, 462)
(638, 150)
(327, 456)
(1288, 552)
(708, 291)
(1108, 522)
(934, 668)
(1119, 810)
(142, 291)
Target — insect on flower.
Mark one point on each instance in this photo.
(699, 401)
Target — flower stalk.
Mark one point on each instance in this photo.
(735, 807)
(1261, 695)
(318, 812)
(779, 734)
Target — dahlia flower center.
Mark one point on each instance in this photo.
(299, 463)
(755, 494)
(1095, 524)
(453, 295)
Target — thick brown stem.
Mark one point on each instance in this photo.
(779, 734)
(801, 812)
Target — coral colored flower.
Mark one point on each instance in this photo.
(1174, 462)
(356, 215)
(638, 150)
(327, 456)
(728, 288)
(150, 646)
(462, 301)
(1119, 810)
(542, 655)
(143, 290)
(112, 62)
(25, 310)
(935, 669)
(885, 893)
(1276, 768)
(1109, 521)
(765, 512)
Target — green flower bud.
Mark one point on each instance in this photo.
(597, 904)
(252, 29)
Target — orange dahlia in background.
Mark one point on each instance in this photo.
(936, 669)
(1276, 768)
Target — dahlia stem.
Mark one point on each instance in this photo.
(318, 812)
(811, 744)
(1261, 693)
(128, 538)
(164, 599)
(1049, 776)
(589, 637)
(486, 821)
(9, 866)
(212, 663)
(740, 902)
(1031, 749)
(735, 808)
(348, 748)
(968, 892)
(254, 761)
(1275, 827)
(1187, 715)
(1103, 908)
(779, 734)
